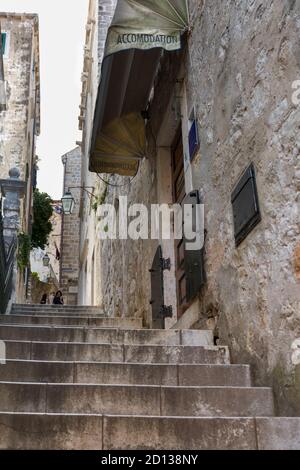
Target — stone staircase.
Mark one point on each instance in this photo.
(75, 379)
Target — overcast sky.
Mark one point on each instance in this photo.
(62, 36)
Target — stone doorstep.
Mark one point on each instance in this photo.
(96, 432)
(53, 351)
(95, 335)
(120, 373)
(136, 400)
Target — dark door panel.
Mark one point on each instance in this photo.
(159, 310)
(193, 259)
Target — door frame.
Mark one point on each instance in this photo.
(171, 128)
(180, 274)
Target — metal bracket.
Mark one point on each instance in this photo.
(165, 264)
(166, 312)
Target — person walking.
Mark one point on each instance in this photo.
(44, 299)
(58, 299)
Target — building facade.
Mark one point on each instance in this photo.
(54, 244)
(222, 130)
(2, 80)
(99, 18)
(45, 264)
(20, 115)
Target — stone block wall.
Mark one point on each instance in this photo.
(106, 9)
(243, 58)
(90, 282)
(20, 109)
(125, 264)
(19, 122)
(240, 62)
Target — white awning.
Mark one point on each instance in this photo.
(140, 30)
(144, 24)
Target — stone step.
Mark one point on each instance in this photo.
(59, 312)
(50, 432)
(114, 336)
(96, 432)
(126, 323)
(161, 433)
(34, 307)
(47, 351)
(129, 400)
(278, 433)
(120, 373)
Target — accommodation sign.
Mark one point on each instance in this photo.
(118, 40)
(141, 39)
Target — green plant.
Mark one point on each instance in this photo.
(42, 213)
(35, 276)
(24, 247)
(101, 198)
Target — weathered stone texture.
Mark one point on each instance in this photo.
(16, 122)
(90, 281)
(241, 60)
(20, 117)
(125, 264)
(244, 58)
(238, 68)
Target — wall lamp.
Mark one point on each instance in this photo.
(46, 259)
(68, 201)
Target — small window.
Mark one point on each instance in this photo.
(246, 212)
(4, 43)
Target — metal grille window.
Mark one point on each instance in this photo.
(246, 212)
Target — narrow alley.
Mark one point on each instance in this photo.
(149, 225)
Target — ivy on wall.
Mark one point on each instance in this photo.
(100, 199)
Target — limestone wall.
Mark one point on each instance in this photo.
(241, 60)
(236, 73)
(90, 279)
(244, 57)
(125, 264)
(20, 117)
(19, 123)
